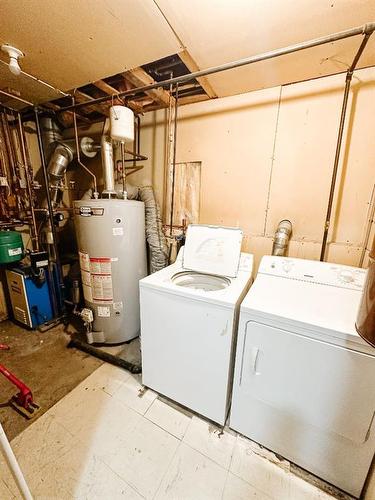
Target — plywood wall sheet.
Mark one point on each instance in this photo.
(304, 154)
(357, 179)
(345, 254)
(233, 138)
(258, 246)
(153, 141)
(304, 151)
(216, 32)
(69, 43)
(187, 188)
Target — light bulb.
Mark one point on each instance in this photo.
(14, 67)
(14, 54)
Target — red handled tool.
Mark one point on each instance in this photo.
(23, 401)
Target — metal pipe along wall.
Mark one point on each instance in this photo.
(341, 35)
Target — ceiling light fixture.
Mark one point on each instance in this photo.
(14, 54)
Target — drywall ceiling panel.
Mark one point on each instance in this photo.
(69, 43)
(300, 66)
(218, 31)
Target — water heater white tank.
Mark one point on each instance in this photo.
(112, 255)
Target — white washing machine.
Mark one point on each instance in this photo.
(304, 383)
(189, 314)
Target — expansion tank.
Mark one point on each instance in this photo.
(112, 254)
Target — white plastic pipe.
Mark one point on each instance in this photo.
(14, 467)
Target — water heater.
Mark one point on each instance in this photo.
(112, 255)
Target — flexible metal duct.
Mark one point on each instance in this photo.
(282, 235)
(365, 323)
(154, 231)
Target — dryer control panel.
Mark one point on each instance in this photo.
(313, 271)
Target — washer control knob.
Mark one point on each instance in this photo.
(346, 276)
(287, 266)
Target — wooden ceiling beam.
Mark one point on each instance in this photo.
(139, 78)
(99, 108)
(66, 116)
(108, 89)
(193, 66)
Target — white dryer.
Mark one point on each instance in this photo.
(189, 314)
(304, 383)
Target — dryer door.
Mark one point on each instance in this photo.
(310, 401)
(321, 384)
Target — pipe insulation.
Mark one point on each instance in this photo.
(282, 236)
(154, 231)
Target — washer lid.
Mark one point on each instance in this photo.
(212, 249)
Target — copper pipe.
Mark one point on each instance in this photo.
(173, 162)
(168, 150)
(33, 230)
(96, 194)
(349, 76)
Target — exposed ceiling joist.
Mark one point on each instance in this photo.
(108, 89)
(138, 77)
(99, 108)
(66, 116)
(193, 66)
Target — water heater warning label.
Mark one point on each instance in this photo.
(102, 287)
(96, 275)
(84, 261)
(100, 265)
(104, 312)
